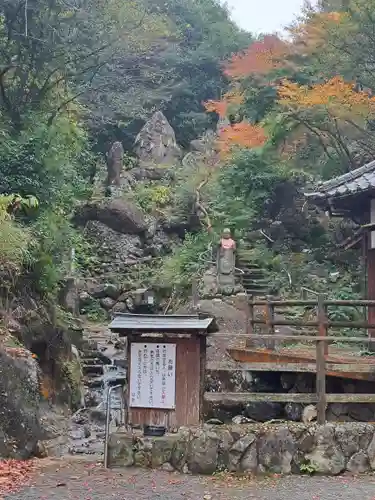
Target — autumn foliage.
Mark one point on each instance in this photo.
(336, 96)
(240, 135)
(13, 474)
(222, 107)
(260, 58)
(311, 36)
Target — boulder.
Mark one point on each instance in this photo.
(20, 424)
(238, 450)
(206, 143)
(262, 412)
(276, 450)
(156, 142)
(203, 452)
(326, 457)
(120, 307)
(121, 447)
(107, 303)
(358, 463)
(112, 291)
(153, 452)
(152, 174)
(119, 215)
(353, 437)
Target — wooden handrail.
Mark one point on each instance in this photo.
(322, 324)
(310, 302)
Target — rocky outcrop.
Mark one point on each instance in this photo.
(156, 142)
(20, 426)
(279, 448)
(119, 215)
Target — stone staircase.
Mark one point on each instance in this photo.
(103, 363)
(252, 277)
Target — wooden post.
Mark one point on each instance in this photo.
(202, 389)
(250, 319)
(321, 381)
(270, 317)
(322, 320)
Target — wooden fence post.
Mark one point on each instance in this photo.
(322, 320)
(270, 318)
(321, 381)
(249, 320)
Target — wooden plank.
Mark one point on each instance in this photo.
(301, 367)
(321, 382)
(314, 324)
(253, 397)
(297, 338)
(312, 302)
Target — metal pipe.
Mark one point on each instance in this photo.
(107, 422)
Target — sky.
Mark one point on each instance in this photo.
(268, 16)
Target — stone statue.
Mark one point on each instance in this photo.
(225, 262)
(115, 159)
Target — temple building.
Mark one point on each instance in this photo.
(352, 196)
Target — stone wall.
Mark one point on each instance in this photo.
(282, 448)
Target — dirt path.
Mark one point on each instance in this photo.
(85, 481)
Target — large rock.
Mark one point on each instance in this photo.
(239, 456)
(20, 427)
(276, 450)
(119, 215)
(326, 457)
(263, 411)
(204, 452)
(156, 142)
(206, 143)
(152, 173)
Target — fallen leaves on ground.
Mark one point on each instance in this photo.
(13, 474)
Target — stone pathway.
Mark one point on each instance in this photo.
(89, 481)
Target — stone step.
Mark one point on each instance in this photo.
(92, 369)
(92, 361)
(93, 383)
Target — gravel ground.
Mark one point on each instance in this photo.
(78, 481)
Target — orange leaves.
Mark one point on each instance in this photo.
(336, 95)
(221, 107)
(312, 35)
(260, 58)
(13, 474)
(241, 135)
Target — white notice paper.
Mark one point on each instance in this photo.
(152, 375)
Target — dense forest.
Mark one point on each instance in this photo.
(285, 112)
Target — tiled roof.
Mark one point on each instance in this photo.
(360, 180)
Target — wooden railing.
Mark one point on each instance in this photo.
(321, 340)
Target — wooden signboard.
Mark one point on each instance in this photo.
(153, 375)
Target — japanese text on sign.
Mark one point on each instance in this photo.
(153, 375)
